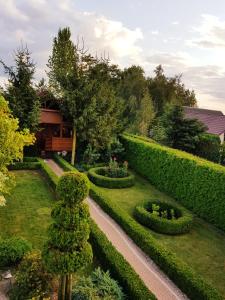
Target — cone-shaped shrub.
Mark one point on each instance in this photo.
(67, 249)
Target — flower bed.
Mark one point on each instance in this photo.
(99, 177)
(163, 217)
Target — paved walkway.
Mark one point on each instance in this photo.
(152, 276)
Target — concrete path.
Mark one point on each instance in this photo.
(152, 276)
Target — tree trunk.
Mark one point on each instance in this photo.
(61, 293)
(74, 146)
(68, 295)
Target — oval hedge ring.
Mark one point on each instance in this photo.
(97, 177)
(163, 217)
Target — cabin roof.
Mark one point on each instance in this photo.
(214, 120)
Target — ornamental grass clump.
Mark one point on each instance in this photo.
(67, 249)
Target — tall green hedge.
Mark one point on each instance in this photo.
(208, 147)
(196, 183)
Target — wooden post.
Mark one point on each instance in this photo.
(62, 287)
(74, 146)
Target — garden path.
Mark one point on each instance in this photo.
(149, 272)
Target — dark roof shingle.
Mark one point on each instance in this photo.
(214, 120)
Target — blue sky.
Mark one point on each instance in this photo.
(186, 37)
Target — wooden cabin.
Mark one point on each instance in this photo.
(55, 134)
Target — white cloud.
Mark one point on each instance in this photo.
(211, 33)
(154, 32)
(175, 23)
(36, 22)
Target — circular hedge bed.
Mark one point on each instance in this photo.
(98, 177)
(163, 217)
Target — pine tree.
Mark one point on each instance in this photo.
(67, 249)
(22, 98)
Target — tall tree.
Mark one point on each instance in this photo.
(180, 133)
(168, 90)
(88, 99)
(67, 249)
(131, 89)
(20, 93)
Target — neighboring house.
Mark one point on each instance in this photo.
(55, 135)
(214, 120)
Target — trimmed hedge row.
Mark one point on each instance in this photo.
(63, 163)
(107, 182)
(196, 183)
(50, 175)
(25, 166)
(111, 259)
(184, 277)
(177, 226)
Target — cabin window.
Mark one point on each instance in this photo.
(67, 132)
(56, 131)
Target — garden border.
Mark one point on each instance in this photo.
(162, 225)
(110, 183)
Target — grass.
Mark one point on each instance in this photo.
(28, 208)
(27, 213)
(203, 248)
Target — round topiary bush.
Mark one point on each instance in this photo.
(98, 176)
(67, 249)
(73, 187)
(163, 217)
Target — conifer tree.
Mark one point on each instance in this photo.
(20, 93)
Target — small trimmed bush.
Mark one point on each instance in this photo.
(196, 183)
(12, 250)
(96, 175)
(73, 187)
(166, 218)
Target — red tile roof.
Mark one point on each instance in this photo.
(214, 120)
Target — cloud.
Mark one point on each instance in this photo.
(211, 33)
(154, 32)
(36, 22)
(206, 80)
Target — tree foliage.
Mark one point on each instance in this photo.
(179, 132)
(99, 285)
(85, 85)
(12, 142)
(169, 90)
(67, 249)
(20, 93)
(32, 279)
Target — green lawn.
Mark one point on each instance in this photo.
(27, 213)
(28, 208)
(203, 248)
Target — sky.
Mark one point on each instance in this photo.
(186, 37)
